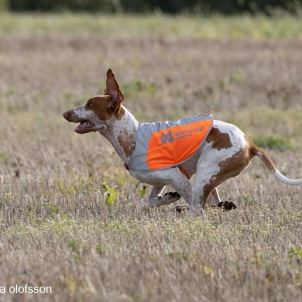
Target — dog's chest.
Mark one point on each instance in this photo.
(163, 145)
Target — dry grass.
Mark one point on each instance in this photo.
(55, 227)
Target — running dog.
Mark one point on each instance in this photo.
(150, 151)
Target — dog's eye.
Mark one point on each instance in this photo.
(89, 104)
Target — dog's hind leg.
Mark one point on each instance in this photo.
(212, 172)
(214, 198)
(213, 201)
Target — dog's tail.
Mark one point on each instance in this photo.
(270, 165)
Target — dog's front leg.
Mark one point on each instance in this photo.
(156, 200)
(172, 177)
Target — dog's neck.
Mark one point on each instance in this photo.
(121, 132)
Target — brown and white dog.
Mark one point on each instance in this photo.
(225, 153)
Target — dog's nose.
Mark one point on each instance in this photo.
(65, 114)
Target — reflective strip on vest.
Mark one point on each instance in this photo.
(163, 145)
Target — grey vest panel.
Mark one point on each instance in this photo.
(137, 161)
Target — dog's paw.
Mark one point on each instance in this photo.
(227, 205)
(182, 208)
(173, 195)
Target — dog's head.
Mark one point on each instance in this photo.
(95, 114)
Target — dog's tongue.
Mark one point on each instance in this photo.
(82, 127)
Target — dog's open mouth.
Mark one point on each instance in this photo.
(84, 127)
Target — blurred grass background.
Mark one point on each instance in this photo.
(190, 26)
(56, 228)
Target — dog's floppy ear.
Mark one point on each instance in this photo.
(113, 90)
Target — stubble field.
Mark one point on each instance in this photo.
(56, 229)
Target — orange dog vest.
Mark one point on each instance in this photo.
(163, 145)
